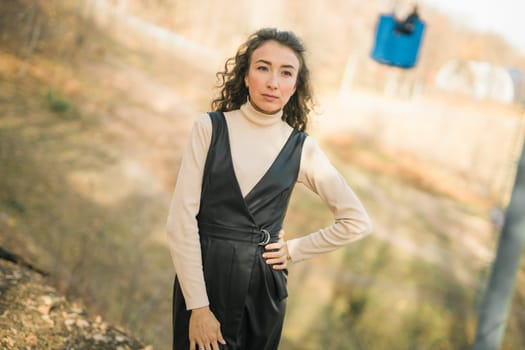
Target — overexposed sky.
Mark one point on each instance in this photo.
(506, 17)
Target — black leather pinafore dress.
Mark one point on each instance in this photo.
(246, 295)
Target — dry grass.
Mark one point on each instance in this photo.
(404, 166)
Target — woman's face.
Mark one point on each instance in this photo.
(272, 76)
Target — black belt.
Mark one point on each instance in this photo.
(248, 235)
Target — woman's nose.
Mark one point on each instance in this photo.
(273, 81)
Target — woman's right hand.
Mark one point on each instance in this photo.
(205, 330)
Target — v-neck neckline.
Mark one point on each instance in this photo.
(265, 174)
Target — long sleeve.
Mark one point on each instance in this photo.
(181, 227)
(351, 219)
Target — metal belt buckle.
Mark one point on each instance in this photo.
(266, 238)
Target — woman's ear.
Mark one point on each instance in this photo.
(246, 82)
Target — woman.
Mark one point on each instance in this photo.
(232, 191)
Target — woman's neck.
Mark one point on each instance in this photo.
(256, 116)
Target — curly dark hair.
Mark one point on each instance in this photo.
(234, 93)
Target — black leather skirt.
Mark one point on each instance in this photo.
(246, 295)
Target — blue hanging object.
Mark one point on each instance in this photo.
(397, 42)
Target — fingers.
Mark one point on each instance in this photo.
(220, 338)
(204, 330)
(212, 345)
(277, 255)
(274, 246)
(281, 266)
(278, 244)
(273, 250)
(206, 345)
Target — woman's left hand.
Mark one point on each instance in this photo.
(277, 253)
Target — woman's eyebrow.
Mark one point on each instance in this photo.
(270, 63)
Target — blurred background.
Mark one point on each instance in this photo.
(97, 98)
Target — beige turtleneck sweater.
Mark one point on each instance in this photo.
(255, 140)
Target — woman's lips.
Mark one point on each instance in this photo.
(270, 97)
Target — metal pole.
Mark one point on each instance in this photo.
(498, 296)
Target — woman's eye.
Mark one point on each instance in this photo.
(287, 73)
(262, 68)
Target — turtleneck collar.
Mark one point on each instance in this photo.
(260, 118)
